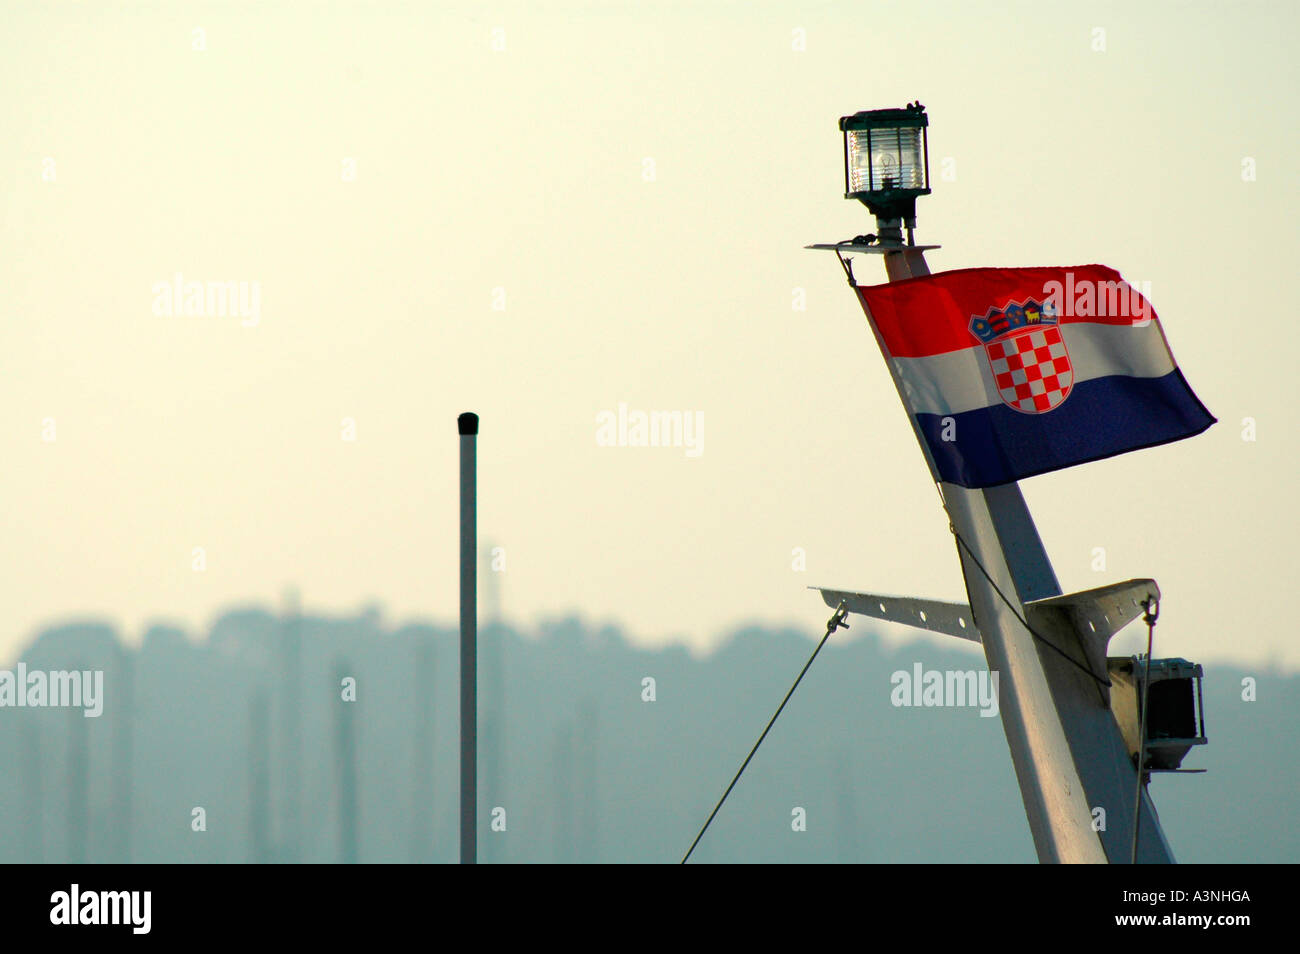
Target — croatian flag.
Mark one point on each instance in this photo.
(1011, 372)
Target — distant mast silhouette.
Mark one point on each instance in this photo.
(291, 723)
(422, 811)
(345, 753)
(78, 784)
(259, 773)
(123, 757)
(562, 777)
(33, 790)
(585, 768)
(494, 713)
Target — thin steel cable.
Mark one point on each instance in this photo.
(835, 622)
(1152, 611)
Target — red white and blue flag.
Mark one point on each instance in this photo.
(1011, 372)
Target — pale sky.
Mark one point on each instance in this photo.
(610, 208)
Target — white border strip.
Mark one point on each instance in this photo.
(963, 381)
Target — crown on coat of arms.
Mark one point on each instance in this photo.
(1003, 321)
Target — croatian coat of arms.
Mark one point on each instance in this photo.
(1027, 354)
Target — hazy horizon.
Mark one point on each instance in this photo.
(253, 725)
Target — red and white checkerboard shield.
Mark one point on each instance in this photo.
(1031, 368)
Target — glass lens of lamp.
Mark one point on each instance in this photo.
(859, 159)
(891, 159)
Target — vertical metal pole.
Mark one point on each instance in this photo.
(467, 425)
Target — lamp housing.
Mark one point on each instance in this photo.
(887, 160)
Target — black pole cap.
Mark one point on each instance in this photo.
(467, 423)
